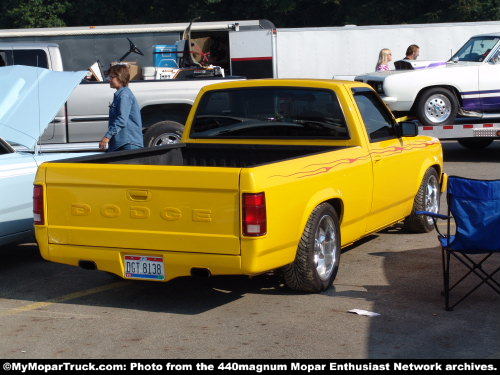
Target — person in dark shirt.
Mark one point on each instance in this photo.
(412, 53)
(125, 124)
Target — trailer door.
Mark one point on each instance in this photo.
(252, 53)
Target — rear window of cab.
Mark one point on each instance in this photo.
(269, 113)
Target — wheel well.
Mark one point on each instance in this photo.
(161, 112)
(338, 206)
(437, 168)
(453, 89)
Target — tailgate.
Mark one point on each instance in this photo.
(190, 209)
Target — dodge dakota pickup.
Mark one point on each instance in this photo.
(270, 174)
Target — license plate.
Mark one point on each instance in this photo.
(144, 267)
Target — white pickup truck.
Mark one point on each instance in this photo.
(83, 121)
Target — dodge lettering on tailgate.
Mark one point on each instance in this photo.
(141, 212)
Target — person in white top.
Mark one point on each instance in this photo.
(384, 57)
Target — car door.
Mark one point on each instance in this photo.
(17, 171)
(394, 180)
(489, 83)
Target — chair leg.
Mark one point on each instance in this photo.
(483, 281)
(485, 274)
(472, 267)
(478, 271)
(446, 279)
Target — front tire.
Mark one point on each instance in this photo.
(163, 133)
(437, 106)
(318, 254)
(427, 199)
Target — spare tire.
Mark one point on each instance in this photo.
(163, 133)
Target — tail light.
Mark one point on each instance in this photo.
(254, 214)
(38, 213)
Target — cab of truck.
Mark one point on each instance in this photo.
(41, 55)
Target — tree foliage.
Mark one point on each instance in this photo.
(283, 13)
(32, 13)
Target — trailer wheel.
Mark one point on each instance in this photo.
(318, 253)
(475, 143)
(427, 199)
(163, 133)
(437, 106)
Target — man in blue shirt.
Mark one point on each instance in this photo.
(125, 125)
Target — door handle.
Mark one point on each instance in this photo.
(138, 195)
(376, 158)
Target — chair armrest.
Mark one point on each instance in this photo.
(432, 214)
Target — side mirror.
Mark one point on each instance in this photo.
(407, 129)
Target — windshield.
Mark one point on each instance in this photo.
(476, 49)
(271, 113)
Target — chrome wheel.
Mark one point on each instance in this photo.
(437, 108)
(325, 248)
(432, 197)
(166, 139)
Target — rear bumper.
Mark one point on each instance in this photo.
(177, 264)
(255, 257)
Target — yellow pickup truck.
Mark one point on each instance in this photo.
(270, 174)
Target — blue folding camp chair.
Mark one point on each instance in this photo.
(475, 207)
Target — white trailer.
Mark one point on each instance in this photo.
(344, 52)
(81, 46)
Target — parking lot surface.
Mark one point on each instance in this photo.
(49, 310)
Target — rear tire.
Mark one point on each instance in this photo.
(163, 133)
(427, 199)
(318, 253)
(475, 143)
(437, 106)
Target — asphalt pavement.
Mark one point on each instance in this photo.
(49, 310)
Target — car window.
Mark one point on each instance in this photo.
(495, 58)
(476, 49)
(271, 113)
(31, 57)
(5, 57)
(377, 119)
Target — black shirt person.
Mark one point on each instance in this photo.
(412, 53)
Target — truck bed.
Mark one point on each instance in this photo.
(207, 155)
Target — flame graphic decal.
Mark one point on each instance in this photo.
(326, 167)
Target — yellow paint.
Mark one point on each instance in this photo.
(191, 216)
